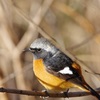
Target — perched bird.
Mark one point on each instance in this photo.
(55, 70)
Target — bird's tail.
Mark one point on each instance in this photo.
(93, 92)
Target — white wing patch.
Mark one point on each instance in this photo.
(66, 70)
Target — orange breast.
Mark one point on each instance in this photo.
(48, 80)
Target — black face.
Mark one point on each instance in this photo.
(40, 53)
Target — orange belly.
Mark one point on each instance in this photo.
(48, 80)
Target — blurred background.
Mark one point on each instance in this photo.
(73, 24)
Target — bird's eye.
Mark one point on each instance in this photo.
(39, 50)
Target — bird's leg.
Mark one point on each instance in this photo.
(66, 93)
(46, 92)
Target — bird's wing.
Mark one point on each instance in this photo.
(63, 67)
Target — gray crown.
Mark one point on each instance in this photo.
(44, 44)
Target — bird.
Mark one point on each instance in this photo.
(55, 70)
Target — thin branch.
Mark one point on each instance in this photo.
(32, 30)
(82, 21)
(46, 94)
(83, 42)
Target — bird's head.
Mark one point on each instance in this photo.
(42, 48)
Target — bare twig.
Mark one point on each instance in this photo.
(83, 22)
(93, 36)
(46, 94)
(28, 36)
(33, 27)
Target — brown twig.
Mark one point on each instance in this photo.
(45, 94)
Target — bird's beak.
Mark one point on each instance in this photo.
(27, 50)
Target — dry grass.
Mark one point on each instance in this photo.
(73, 26)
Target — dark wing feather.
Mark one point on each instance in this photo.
(59, 62)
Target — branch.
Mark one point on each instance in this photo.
(46, 94)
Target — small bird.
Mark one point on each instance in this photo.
(55, 70)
